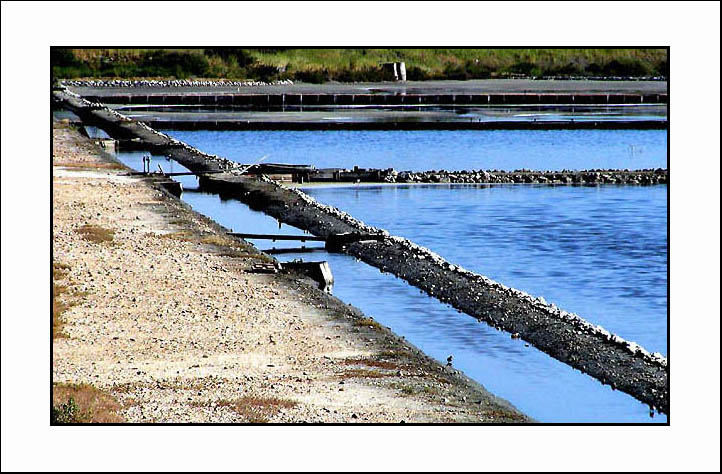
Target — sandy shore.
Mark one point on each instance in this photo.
(170, 322)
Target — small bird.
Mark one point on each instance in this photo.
(449, 359)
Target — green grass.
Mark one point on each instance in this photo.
(353, 64)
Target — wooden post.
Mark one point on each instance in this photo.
(402, 71)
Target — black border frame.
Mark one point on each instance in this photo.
(50, 79)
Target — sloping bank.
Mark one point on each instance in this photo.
(565, 336)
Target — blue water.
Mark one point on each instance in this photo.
(441, 149)
(598, 251)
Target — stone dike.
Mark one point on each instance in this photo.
(644, 177)
(172, 83)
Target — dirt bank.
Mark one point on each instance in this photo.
(170, 323)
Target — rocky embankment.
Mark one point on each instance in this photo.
(594, 78)
(171, 83)
(642, 177)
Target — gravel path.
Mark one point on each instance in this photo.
(171, 323)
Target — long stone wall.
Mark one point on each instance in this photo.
(309, 100)
(204, 123)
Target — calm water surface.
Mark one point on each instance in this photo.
(441, 149)
(598, 251)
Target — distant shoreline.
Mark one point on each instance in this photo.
(473, 86)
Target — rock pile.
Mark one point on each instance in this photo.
(172, 83)
(598, 78)
(592, 176)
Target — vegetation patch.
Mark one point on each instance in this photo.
(257, 409)
(60, 305)
(96, 234)
(408, 390)
(365, 374)
(178, 222)
(228, 247)
(64, 297)
(411, 390)
(356, 64)
(60, 270)
(393, 354)
(219, 240)
(253, 256)
(182, 235)
(234, 245)
(504, 416)
(91, 166)
(59, 308)
(83, 403)
(367, 323)
(371, 363)
(174, 384)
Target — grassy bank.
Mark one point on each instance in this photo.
(355, 65)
